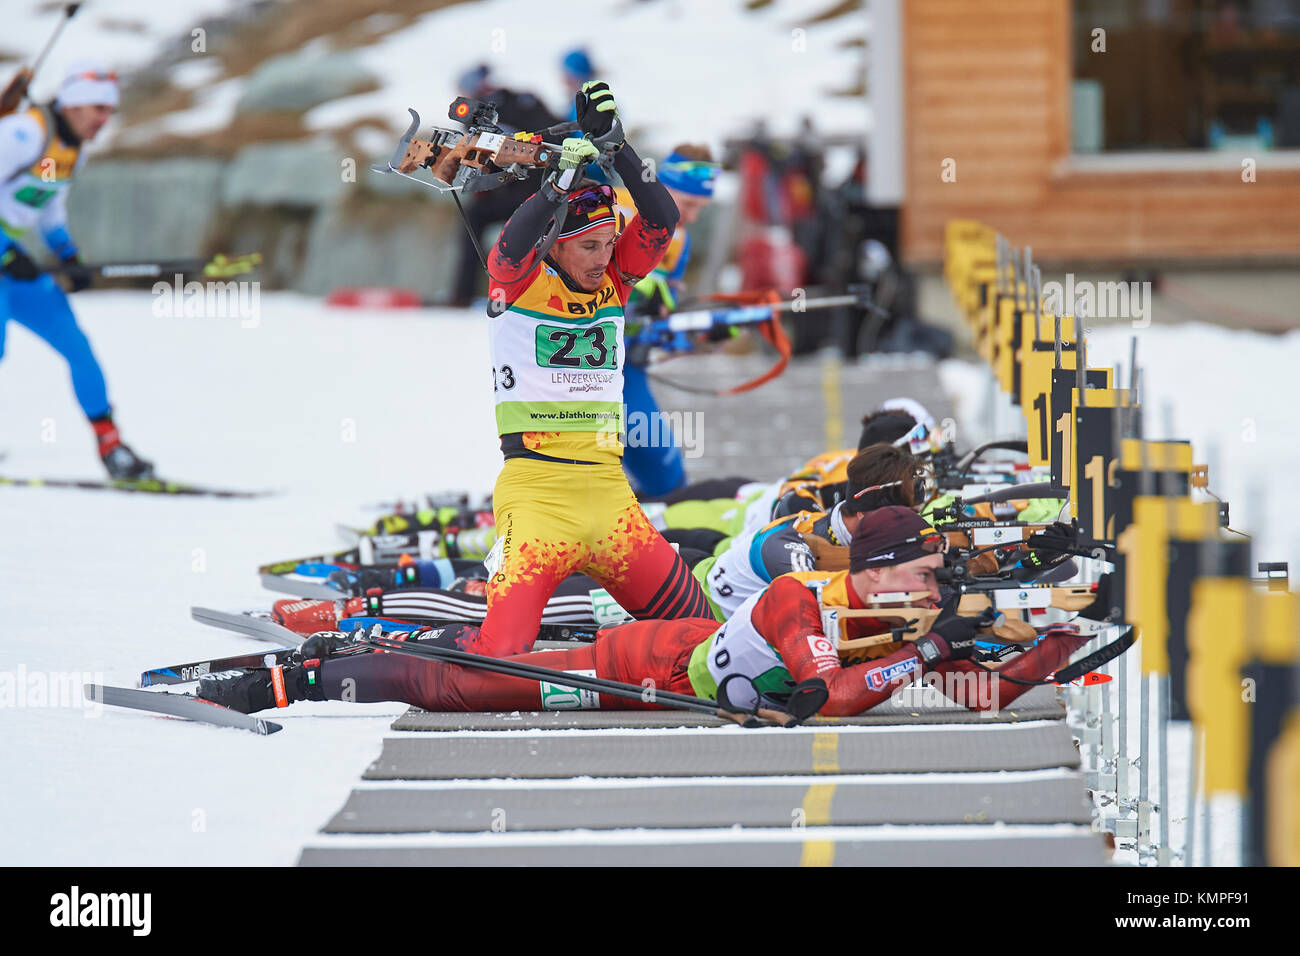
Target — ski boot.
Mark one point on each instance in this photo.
(118, 458)
(356, 582)
(261, 688)
(308, 617)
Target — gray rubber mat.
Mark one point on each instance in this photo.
(811, 408)
(1041, 703)
(1055, 799)
(753, 753)
(1081, 849)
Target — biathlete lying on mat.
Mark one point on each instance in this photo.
(775, 639)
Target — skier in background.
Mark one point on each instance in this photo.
(40, 150)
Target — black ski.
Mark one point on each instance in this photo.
(178, 705)
(187, 673)
(151, 486)
(257, 625)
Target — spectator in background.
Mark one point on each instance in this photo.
(689, 174)
(516, 110)
(577, 69)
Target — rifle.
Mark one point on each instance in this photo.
(674, 331)
(16, 91)
(910, 621)
(1008, 594)
(484, 157)
(680, 330)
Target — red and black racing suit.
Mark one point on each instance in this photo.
(656, 654)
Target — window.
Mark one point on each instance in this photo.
(1185, 75)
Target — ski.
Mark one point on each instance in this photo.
(152, 486)
(249, 624)
(346, 559)
(178, 705)
(300, 587)
(187, 673)
(556, 633)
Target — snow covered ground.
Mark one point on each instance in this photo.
(335, 409)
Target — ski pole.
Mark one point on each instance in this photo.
(69, 11)
(22, 81)
(596, 684)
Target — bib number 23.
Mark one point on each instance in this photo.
(593, 347)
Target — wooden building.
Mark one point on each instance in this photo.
(973, 119)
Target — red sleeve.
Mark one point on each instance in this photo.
(639, 249)
(789, 618)
(507, 280)
(987, 692)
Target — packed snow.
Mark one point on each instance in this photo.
(335, 410)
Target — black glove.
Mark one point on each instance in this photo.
(78, 276)
(18, 265)
(595, 108)
(323, 645)
(1047, 549)
(1099, 610)
(952, 639)
(1056, 537)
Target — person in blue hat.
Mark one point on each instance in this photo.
(577, 69)
(688, 173)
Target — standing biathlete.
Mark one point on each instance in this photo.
(560, 275)
(774, 640)
(40, 150)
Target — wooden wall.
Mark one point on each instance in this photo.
(987, 84)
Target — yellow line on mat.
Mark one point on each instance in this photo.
(826, 753)
(817, 853)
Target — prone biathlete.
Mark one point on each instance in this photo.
(775, 639)
(560, 275)
(878, 476)
(40, 151)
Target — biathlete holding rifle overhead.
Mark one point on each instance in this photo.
(560, 275)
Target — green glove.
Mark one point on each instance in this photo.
(656, 293)
(595, 108)
(577, 151)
